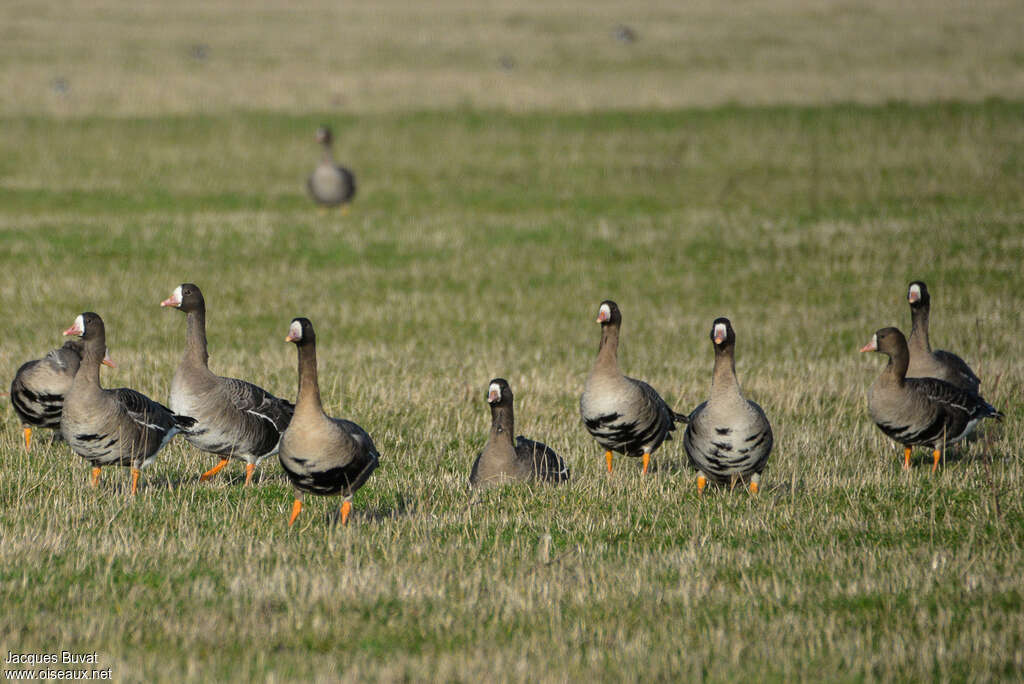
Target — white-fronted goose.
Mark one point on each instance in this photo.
(331, 184)
(39, 386)
(920, 411)
(624, 415)
(111, 426)
(925, 363)
(234, 418)
(501, 460)
(728, 437)
(320, 454)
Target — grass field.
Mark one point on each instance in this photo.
(480, 245)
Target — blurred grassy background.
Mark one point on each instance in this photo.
(498, 204)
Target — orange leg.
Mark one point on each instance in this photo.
(28, 438)
(213, 471)
(936, 455)
(647, 461)
(906, 458)
(135, 480)
(250, 468)
(754, 487)
(94, 481)
(296, 509)
(702, 482)
(346, 508)
(608, 460)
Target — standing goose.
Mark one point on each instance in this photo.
(622, 414)
(111, 427)
(234, 418)
(727, 437)
(320, 454)
(39, 386)
(330, 184)
(501, 460)
(925, 363)
(920, 411)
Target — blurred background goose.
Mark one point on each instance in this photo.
(624, 415)
(501, 460)
(920, 411)
(111, 426)
(331, 185)
(39, 386)
(320, 454)
(234, 418)
(728, 437)
(925, 363)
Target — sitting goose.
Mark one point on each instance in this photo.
(234, 418)
(920, 411)
(320, 454)
(925, 363)
(111, 427)
(39, 386)
(331, 185)
(501, 460)
(727, 437)
(623, 414)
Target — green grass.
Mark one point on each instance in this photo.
(480, 245)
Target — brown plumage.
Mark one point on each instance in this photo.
(920, 411)
(727, 437)
(320, 454)
(330, 184)
(234, 418)
(504, 461)
(111, 426)
(925, 363)
(39, 386)
(623, 414)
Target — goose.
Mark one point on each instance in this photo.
(320, 454)
(624, 415)
(925, 363)
(501, 460)
(111, 426)
(39, 386)
(234, 418)
(728, 437)
(330, 184)
(920, 411)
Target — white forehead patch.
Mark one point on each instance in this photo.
(494, 389)
(915, 291)
(177, 294)
(605, 312)
(874, 340)
(295, 331)
(720, 331)
(80, 324)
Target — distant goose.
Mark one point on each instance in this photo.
(925, 363)
(501, 460)
(39, 386)
(728, 437)
(920, 411)
(320, 454)
(234, 418)
(624, 415)
(111, 427)
(331, 184)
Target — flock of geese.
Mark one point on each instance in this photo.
(922, 398)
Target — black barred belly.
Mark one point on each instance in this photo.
(326, 482)
(97, 449)
(907, 436)
(38, 409)
(625, 437)
(720, 457)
